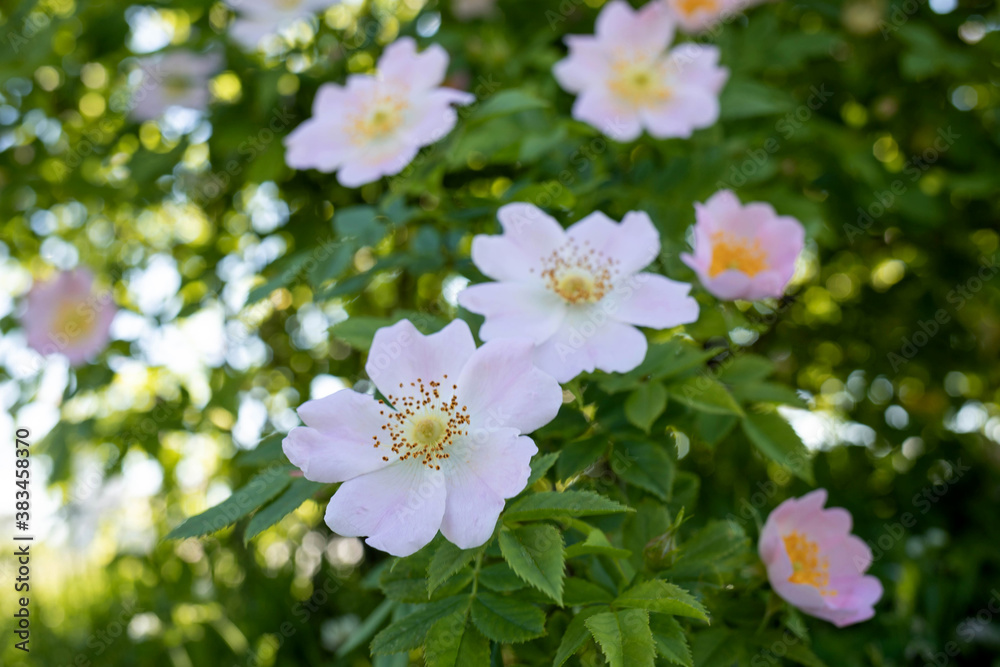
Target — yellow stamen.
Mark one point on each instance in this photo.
(689, 7)
(809, 568)
(578, 273)
(424, 423)
(729, 252)
(74, 321)
(640, 84)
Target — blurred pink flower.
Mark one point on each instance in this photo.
(444, 450)
(375, 125)
(815, 564)
(626, 81)
(66, 316)
(255, 19)
(577, 293)
(177, 78)
(743, 252)
(695, 16)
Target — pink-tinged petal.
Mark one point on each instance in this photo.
(615, 23)
(367, 165)
(729, 285)
(651, 300)
(849, 556)
(599, 108)
(697, 66)
(402, 65)
(617, 347)
(503, 389)
(400, 354)
(317, 144)
(399, 508)
(338, 442)
(685, 112)
(855, 591)
(529, 234)
(586, 63)
(590, 340)
(648, 30)
(514, 310)
(481, 474)
(632, 244)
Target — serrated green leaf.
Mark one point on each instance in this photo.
(507, 619)
(777, 440)
(298, 491)
(408, 632)
(579, 455)
(711, 549)
(661, 596)
(455, 642)
(671, 642)
(745, 368)
(261, 488)
(578, 592)
(575, 635)
(535, 554)
(596, 543)
(447, 560)
(705, 394)
(268, 450)
(540, 465)
(645, 404)
(553, 504)
(624, 637)
(645, 465)
(499, 577)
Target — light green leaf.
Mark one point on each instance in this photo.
(507, 619)
(408, 632)
(447, 560)
(645, 404)
(455, 642)
(661, 596)
(745, 368)
(705, 394)
(553, 504)
(778, 441)
(575, 635)
(261, 488)
(671, 642)
(299, 491)
(540, 465)
(504, 103)
(624, 637)
(535, 553)
(596, 543)
(768, 392)
(578, 592)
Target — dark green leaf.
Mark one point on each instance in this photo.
(661, 596)
(624, 637)
(299, 491)
(535, 553)
(507, 619)
(553, 504)
(778, 441)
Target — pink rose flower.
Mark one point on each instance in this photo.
(375, 125)
(258, 18)
(66, 316)
(743, 252)
(625, 80)
(579, 293)
(815, 564)
(442, 452)
(177, 78)
(696, 16)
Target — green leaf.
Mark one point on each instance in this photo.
(624, 637)
(596, 543)
(299, 491)
(661, 596)
(575, 635)
(747, 99)
(713, 428)
(645, 465)
(645, 404)
(717, 648)
(579, 455)
(535, 553)
(540, 465)
(499, 577)
(671, 642)
(267, 450)
(504, 103)
(261, 488)
(553, 504)
(367, 628)
(705, 394)
(455, 642)
(507, 619)
(746, 368)
(712, 549)
(361, 223)
(408, 632)
(778, 441)
(768, 392)
(580, 592)
(447, 560)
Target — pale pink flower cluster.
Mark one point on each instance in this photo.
(67, 316)
(375, 125)
(814, 563)
(626, 81)
(177, 78)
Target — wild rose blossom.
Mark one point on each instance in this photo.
(257, 19)
(442, 452)
(625, 80)
(375, 125)
(579, 294)
(815, 564)
(743, 252)
(66, 315)
(177, 78)
(697, 16)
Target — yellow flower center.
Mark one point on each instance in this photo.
(729, 252)
(426, 421)
(809, 568)
(382, 119)
(73, 321)
(689, 7)
(640, 84)
(578, 273)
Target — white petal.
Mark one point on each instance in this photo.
(651, 300)
(514, 310)
(400, 355)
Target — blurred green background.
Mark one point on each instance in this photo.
(247, 288)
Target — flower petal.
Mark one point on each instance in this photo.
(514, 310)
(632, 244)
(529, 234)
(591, 339)
(503, 389)
(652, 300)
(399, 507)
(400, 355)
